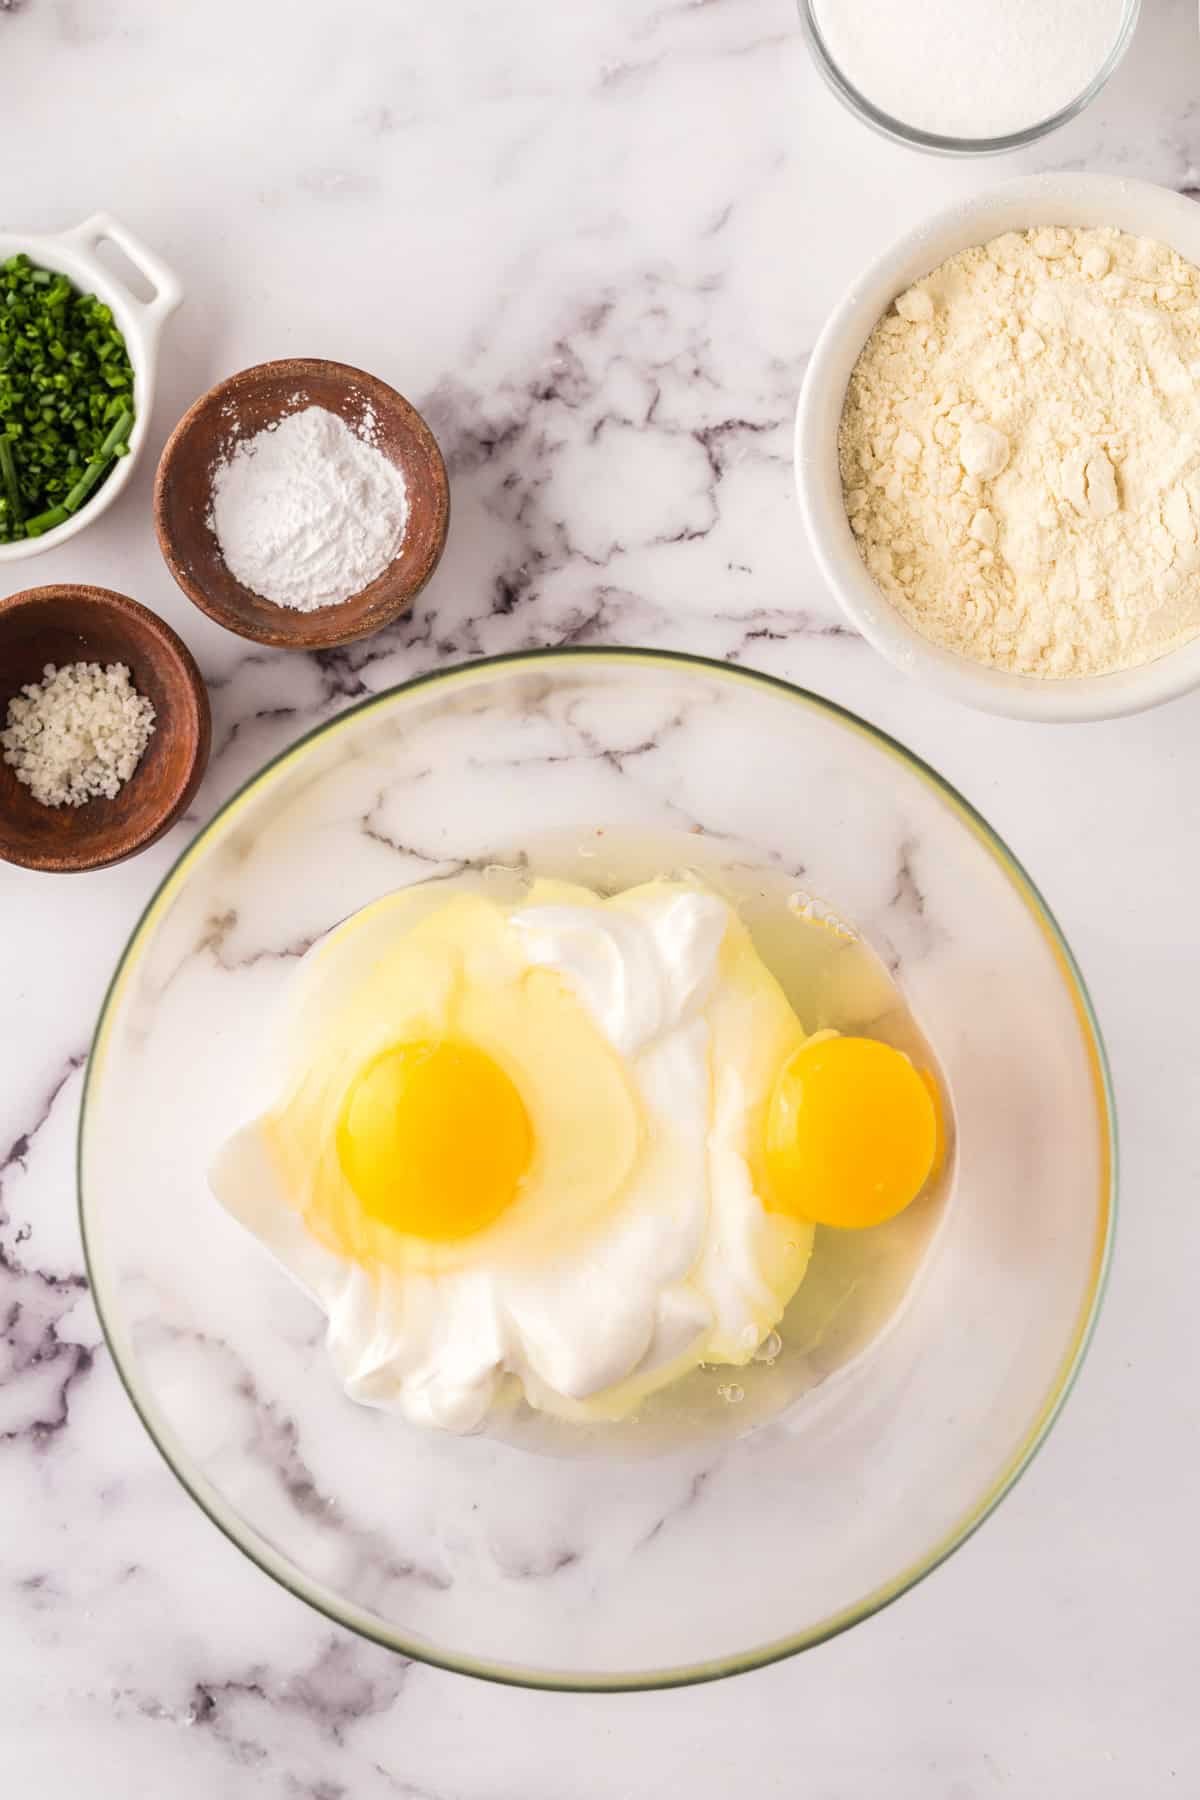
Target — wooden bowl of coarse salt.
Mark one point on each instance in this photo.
(104, 728)
(302, 504)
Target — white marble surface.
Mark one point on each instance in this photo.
(594, 243)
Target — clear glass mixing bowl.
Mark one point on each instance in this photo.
(901, 132)
(685, 1560)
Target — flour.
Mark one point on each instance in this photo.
(306, 513)
(970, 68)
(1020, 452)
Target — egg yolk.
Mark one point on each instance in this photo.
(434, 1139)
(852, 1133)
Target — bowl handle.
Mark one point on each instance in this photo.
(167, 290)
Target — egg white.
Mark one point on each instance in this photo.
(640, 1246)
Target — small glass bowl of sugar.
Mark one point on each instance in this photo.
(967, 77)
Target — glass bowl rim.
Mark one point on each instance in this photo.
(936, 143)
(328, 1604)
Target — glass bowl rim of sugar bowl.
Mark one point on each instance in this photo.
(935, 143)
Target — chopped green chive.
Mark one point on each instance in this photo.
(94, 473)
(66, 398)
(8, 473)
(56, 515)
(118, 434)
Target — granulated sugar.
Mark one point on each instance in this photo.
(970, 68)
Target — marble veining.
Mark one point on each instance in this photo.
(42, 1362)
(274, 1441)
(595, 245)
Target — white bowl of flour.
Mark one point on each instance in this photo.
(986, 664)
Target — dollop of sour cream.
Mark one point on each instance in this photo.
(684, 1264)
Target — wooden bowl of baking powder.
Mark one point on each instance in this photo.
(71, 624)
(257, 400)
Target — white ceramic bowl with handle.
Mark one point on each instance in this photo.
(74, 253)
(1079, 200)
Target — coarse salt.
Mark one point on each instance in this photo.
(78, 734)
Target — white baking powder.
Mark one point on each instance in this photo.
(970, 68)
(306, 513)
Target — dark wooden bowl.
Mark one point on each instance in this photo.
(240, 408)
(87, 624)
